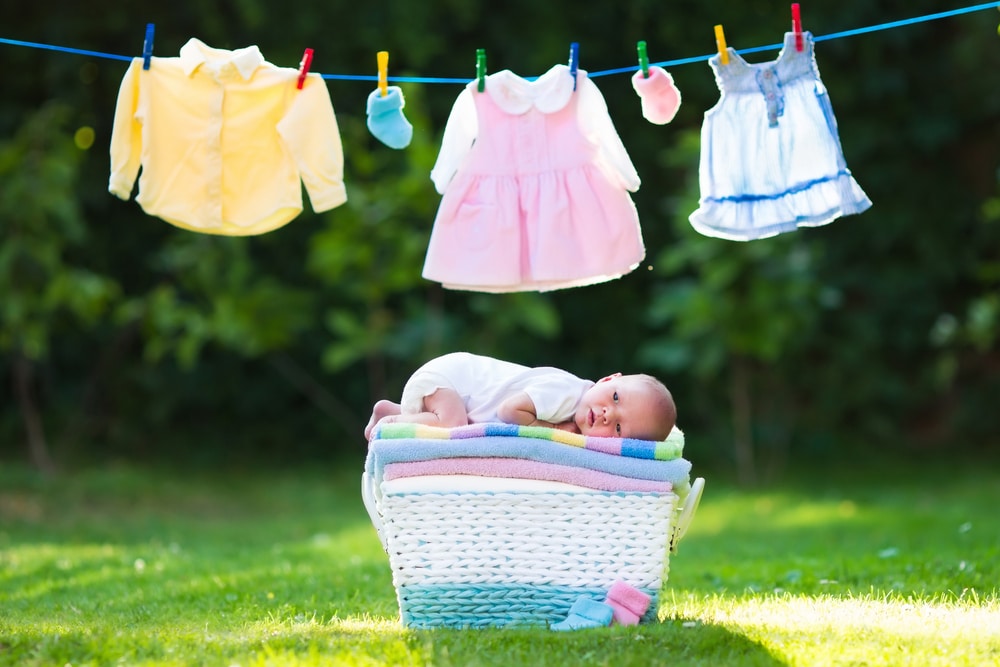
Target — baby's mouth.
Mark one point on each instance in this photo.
(590, 418)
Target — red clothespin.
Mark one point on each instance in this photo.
(307, 58)
(147, 45)
(797, 26)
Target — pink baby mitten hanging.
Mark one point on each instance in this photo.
(385, 118)
(660, 97)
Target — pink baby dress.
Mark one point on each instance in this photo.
(535, 183)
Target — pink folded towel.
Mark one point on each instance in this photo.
(627, 603)
(523, 469)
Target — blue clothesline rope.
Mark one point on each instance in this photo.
(621, 70)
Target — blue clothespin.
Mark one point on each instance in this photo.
(574, 60)
(147, 45)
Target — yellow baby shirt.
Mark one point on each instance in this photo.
(225, 141)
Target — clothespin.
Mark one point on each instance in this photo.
(307, 59)
(383, 72)
(720, 41)
(147, 45)
(481, 68)
(797, 26)
(574, 61)
(643, 59)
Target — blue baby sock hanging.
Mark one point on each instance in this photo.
(385, 118)
(385, 109)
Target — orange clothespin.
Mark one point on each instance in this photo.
(797, 26)
(720, 41)
(383, 72)
(307, 58)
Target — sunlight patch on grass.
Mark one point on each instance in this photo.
(802, 629)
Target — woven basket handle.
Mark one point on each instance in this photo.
(368, 496)
(687, 512)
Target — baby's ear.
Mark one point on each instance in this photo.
(610, 377)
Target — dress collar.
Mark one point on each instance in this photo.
(548, 93)
(196, 53)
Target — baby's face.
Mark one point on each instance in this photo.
(618, 407)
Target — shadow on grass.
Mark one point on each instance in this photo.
(669, 643)
(388, 643)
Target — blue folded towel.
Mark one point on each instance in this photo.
(382, 452)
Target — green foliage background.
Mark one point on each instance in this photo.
(123, 337)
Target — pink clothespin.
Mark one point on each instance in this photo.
(797, 26)
(307, 58)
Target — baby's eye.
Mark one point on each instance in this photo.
(615, 397)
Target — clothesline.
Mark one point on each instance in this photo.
(620, 70)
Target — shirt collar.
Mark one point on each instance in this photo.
(516, 95)
(196, 53)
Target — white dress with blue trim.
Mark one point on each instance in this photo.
(771, 159)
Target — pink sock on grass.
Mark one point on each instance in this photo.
(627, 603)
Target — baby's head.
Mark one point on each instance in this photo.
(627, 406)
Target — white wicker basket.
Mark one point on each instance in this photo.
(499, 552)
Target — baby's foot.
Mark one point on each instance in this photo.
(381, 410)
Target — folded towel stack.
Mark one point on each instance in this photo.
(509, 451)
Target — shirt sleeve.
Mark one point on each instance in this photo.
(556, 396)
(126, 135)
(459, 134)
(596, 123)
(310, 130)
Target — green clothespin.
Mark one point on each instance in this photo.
(643, 59)
(481, 68)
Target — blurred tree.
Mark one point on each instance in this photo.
(45, 296)
(858, 332)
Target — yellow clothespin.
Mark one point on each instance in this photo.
(720, 40)
(383, 72)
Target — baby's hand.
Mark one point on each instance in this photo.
(569, 426)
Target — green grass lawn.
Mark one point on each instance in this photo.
(126, 566)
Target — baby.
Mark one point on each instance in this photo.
(462, 388)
